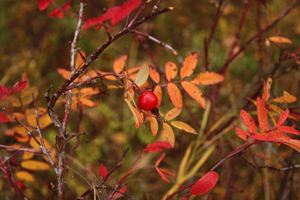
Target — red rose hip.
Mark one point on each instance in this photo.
(147, 100)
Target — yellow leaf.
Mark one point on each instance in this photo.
(194, 92)
(286, 98)
(35, 165)
(173, 113)
(153, 125)
(24, 176)
(142, 75)
(183, 126)
(189, 65)
(171, 71)
(280, 40)
(27, 155)
(158, 92)
(44, 119)
(119, 64)
(154, 75)
(64, 73)
(168, 133)
(208, 78)
(266, 89)
(175, 95)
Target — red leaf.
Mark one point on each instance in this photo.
(163, 173)
(118, 194)
(100, 20)
(125, 10)
(282, 118)
(114, 14)
(43, 4)
(241, 133)
(288, 129)
(19, 86)
(205, 184)
(56, 13)
(262, 114)
(157, 146)
(248, 121)
(4, 118)
(3, 92)
(102, 170)
(66, 6)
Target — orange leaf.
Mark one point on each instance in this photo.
(64, 73)
(189, 65)
(87, 102)
(208, 78)
(266, 89)
(183, 126)
(168, 133)
(80, 56)
(194, 92)
(286, 98)
(119, 64)
(153, 125)
(175, 95)
(171, 70)
(262, 114)
(173, 113)
(25, 176)
(154, 75)
(248, 121)
(89, 91)
(158, 92)
(283, 116)
(280, 40)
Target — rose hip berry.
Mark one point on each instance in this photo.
(147, 100)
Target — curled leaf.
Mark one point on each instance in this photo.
(286, 98)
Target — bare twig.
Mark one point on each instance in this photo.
(258, 34)
(157, 41)
(12, 148)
